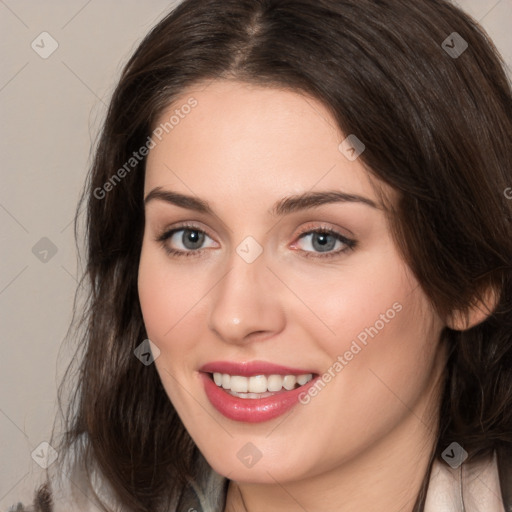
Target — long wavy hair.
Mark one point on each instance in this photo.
(437, 128)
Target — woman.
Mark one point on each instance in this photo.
(303, 205)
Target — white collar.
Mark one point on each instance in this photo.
(473, 487)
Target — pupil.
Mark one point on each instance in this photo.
(192, 239)
(322, 243)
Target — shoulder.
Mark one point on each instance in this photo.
(42, 502)
(482, 485)
(71, 487)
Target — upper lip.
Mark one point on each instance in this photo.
(251, 368)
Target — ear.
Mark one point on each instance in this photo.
(477, 313)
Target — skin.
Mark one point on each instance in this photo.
(364, 442)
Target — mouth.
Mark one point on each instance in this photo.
(254, 392)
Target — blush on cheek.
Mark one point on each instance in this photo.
(396, 332)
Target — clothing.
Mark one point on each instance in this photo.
(480, 486)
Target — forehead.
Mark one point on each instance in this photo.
(240, 136)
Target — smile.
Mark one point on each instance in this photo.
(254, 392)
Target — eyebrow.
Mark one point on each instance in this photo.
(282, 207)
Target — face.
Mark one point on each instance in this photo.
(269, 281)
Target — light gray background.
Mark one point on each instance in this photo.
(51, 112)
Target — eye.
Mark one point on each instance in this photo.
(185, 240)
(324, 242)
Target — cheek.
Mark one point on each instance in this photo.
(381, 340)
(167, 295)
(167, 299)
(384, 362)
(377, 370)
(360, 300)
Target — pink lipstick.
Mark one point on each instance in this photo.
(254, 391)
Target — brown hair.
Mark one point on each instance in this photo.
(437, 128)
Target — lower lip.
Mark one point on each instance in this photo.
(252, 410)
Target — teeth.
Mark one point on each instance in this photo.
(274, 383)
(289, 382)
(302, 379)
(258, 384)
(238, 384)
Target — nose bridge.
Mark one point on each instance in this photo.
(243, 302)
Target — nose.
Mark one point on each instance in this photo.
(246, 303)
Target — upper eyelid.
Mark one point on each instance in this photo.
(180, 227)
(322, 228)
(304, 231)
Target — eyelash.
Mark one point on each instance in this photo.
(350, 244)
